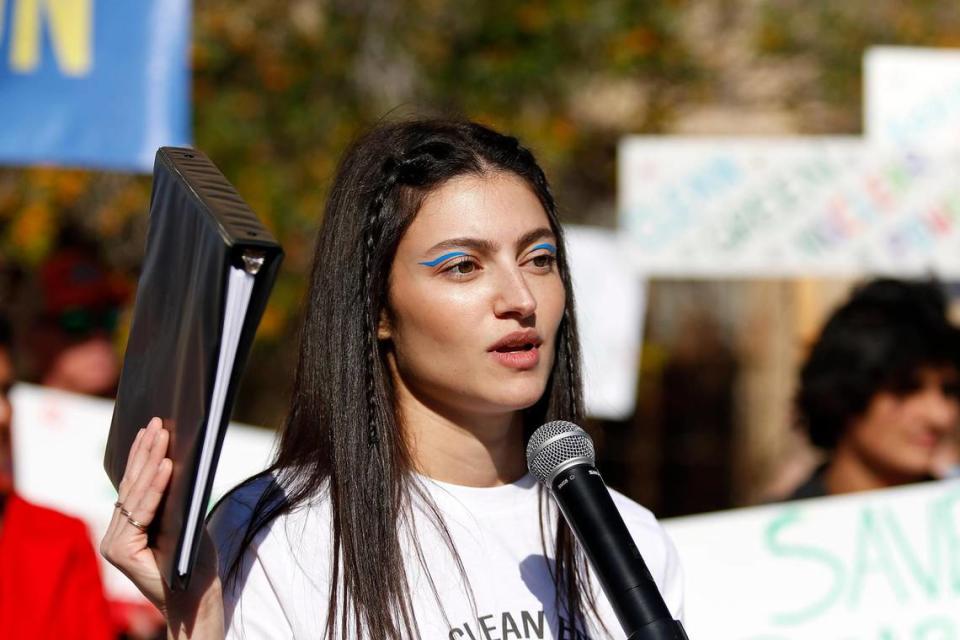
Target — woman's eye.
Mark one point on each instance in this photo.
(461, 267)
(543, 262)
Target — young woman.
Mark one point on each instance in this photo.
(438, 334)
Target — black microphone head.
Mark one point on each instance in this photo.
(556, 446)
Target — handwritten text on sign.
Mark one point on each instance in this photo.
(912, 97)
(876, 566)
(791, 206)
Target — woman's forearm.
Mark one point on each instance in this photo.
(191, 617)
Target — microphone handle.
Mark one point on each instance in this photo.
(661, 630)
(586, 505)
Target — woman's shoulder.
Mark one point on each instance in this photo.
(274, 557)
(229, 523)
(255, 512)
(262, 493)
(235, 511)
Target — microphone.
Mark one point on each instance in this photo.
(561, 455)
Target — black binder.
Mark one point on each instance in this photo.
(202, 241)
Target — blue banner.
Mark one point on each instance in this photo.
(93, 83)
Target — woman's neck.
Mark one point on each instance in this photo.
(476, 450)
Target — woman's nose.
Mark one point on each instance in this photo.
(514, 297)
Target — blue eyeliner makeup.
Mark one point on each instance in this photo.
(446, 256)
(545, 245)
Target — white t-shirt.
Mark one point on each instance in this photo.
(283, 589)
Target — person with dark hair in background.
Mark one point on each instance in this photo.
(438, 334)
(50, 583)
(70, 341)
(880, 390)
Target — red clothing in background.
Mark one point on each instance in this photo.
(49, 577)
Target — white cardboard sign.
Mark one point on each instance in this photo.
(610, 300)
(882, 565)
(787, 207)
(912, 97)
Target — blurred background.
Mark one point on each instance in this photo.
(274, 91)
(277, 90)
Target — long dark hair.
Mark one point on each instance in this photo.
(342, 436)
(879, 340)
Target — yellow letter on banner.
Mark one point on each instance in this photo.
(71, 31)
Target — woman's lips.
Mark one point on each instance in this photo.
(518, 358)
(517, 340)
(518, 350)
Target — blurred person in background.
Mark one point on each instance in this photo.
(50, 583)
(71, 344)
(880, 390)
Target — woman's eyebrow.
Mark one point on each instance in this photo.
(478, 245)
(532, 236)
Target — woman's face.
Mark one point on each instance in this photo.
(475, 298)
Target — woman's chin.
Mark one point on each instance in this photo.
(517, 398)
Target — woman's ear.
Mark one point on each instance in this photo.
(384, 328)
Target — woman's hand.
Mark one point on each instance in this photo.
(196, 612)
(144, 481)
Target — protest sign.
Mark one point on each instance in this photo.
(610, 301)
(93, 84)
(912, 98)
(881, 565)
(787, 207)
